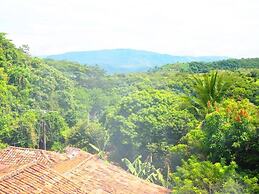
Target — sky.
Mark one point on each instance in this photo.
(178, 27)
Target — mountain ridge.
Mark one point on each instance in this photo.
(127, 60)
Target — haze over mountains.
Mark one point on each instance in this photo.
(127, 60)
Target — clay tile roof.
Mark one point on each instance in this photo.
(39, 171)
(36, 178)
(93, 174)
(16, 156)
(71, 162)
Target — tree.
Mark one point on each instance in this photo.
(207, 178)
(85, 134)
(232, 133)
(51, 130)
(26, 131)
(208, 91)
(144, 121)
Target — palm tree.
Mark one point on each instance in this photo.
(208, 90)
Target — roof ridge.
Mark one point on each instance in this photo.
(45, 156)
(48, 155)
(18, 170)
(22, 148)
(31, 149)
(80, 164)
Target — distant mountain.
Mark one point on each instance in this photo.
(127, 60)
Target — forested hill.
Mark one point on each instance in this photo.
(193, 129)
(205, 67)
(127, 60)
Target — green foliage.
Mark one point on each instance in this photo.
(205, 177)
(28, 87)
(146, 170)
(232, 133)
(208, 91)
(144, 119)
(244, 84)
(52, 104)
(26, 133)
(176, 154)
(194, 139)
(205, 67)
(53, 126)
(85, 134)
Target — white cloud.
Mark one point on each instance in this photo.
(180, 27)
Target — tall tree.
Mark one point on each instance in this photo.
(208, 90)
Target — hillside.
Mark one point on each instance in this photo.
(205, 67)
(127, 60)
(186, 126)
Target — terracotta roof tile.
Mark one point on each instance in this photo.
(94, 173)
(43, 175)
(72, 162)
(36, 178)
(15, 156)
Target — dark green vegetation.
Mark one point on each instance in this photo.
(127, 60)
(205, 67)
(195, 129)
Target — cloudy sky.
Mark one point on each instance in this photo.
(178, 27)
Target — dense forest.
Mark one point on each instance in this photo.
(191, 127)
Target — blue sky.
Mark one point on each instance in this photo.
(178, 27)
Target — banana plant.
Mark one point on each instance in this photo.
(101, 149)
(146, 170)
